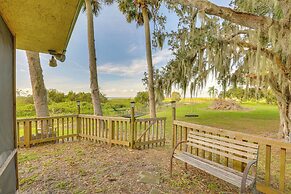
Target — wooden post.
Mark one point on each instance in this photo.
(27, 134)
(173, 103)
(132, 125)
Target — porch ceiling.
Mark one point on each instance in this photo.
(41, 25)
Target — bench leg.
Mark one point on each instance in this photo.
(186, 166)
(171, 167)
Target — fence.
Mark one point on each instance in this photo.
(274, 172)
(50, 129)
(111, 130)
(136, 133)
(150, 132)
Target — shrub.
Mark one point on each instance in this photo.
(176, 96)
(142, 98)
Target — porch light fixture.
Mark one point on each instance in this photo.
(173, 103)
(53, 62)
(132, 103)
(79, 106)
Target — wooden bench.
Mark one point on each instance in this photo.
(241, 151)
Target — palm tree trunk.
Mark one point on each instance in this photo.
(150, 63)
(37, 83)
(95, 94)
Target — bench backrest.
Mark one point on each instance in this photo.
(226, 147)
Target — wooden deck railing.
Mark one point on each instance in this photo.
(111, 130)
(48, 129)
(274, 167)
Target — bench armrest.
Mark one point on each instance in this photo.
(245, 175)
(177, 146)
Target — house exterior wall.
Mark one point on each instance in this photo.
(8, 179)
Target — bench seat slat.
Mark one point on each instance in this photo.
(228, 169)
(221, 172)
(215, 151)
(196, 140)
(229, 140)
(209, 137)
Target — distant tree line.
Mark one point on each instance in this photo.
(55, 96)
(250, 94)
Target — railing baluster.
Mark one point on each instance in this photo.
(268, 166)
(282, 169)
(72, 131)
(90, 131)
(67, 129)
(185, 135)
(63, 130)
(58, 127)
(181, 137)
(157, 133)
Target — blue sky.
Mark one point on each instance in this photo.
(120, 49)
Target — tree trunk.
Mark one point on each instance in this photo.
(285, 120)
(283, 94)
(39, 92)
(37, 83)
(224, 88)
(150, 63)
(95, 93)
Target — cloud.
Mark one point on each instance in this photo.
(128, 88)
(136, 66)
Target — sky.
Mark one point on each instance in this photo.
(120, 49)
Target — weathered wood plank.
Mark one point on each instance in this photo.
(222, 141)
(219, 152)
(45, 118)
(250, 147)
(220, 147)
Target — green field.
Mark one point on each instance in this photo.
(262, 119)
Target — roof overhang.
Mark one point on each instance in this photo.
(41, 25)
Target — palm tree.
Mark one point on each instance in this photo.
(139, 12)
(95, 7)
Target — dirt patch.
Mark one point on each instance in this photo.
(88, 167)
(226, 105)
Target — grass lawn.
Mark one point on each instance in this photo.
(261, 119)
